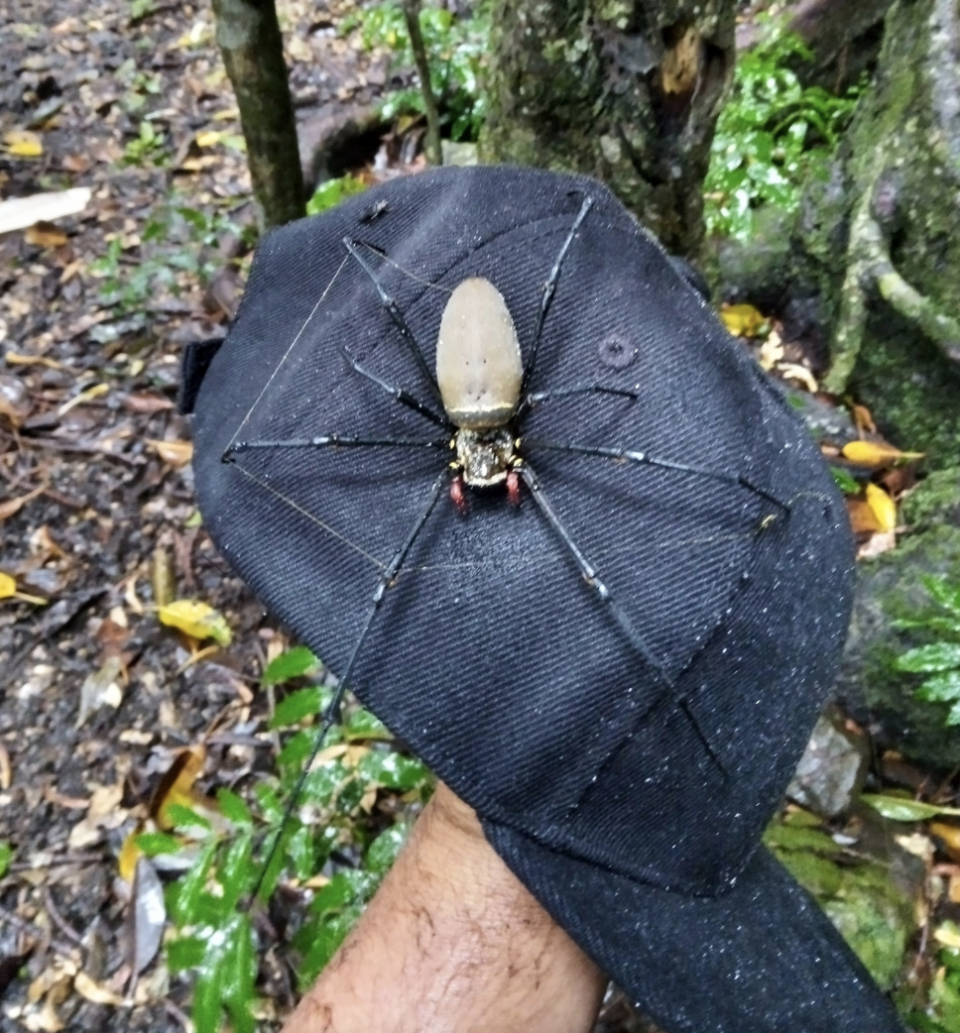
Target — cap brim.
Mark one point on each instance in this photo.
(761, 958)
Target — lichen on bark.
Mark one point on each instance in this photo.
(625, 90)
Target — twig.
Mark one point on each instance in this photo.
(58, 920)
(411, 12)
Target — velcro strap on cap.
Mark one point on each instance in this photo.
(197, 357)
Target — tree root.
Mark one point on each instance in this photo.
(870, 269)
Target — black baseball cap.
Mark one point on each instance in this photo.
(626, 722)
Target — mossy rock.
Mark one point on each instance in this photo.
(890, 589)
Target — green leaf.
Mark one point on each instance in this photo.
(185, 952)
(939, 656)
(207, 1000)
(384, 849)
(298, 705)
(331, 193)
(941, 688)
(233, 808)
(185, 904)
(844, 481)
(364, 725)
(237, 871)
(6, 856)
(899, 809)
(294, 663)
(156, 843)
(186, 817)
(239, 968)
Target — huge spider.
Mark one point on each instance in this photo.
(484, 390)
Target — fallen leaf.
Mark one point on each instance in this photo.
(210, 138)
(8, 586)
(177, 784)
(176, 453)
(949, 835)
(147, 915)
(877, 544)
(948, 935)
(101, 688)
(875, 453)
(197, 619)
(94, 992)
(742, 320)
(146, 403)
(16, 359)
(863, 419)
(45, 234)
(6, 769)
(97, 391)
(21, 143)
(771, 351)
(795, 371)
(883, 507)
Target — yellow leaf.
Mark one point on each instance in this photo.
(177, 785)
(950, 835)
(94, 992)
(742, 320)
(197, 619)
(176, 453)
(875, 453)
(947, 935)
(8, 587)
(208, 139)
(794, 371)
(21, 143)
(882, 506)
(129, 853)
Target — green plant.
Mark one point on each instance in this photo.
(149, 147)
(942, 1014)
(331, 193)
(772, 134)
(939, 660)
(177, 245)
(6, 856)
(457, 50)
(334, 831)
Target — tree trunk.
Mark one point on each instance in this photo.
(894, 281)
(626, 90)
(249, 39)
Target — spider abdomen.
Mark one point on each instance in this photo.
(479, 368)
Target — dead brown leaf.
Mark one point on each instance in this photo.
(44, 234)
(176, 453)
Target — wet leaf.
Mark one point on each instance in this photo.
(292, 663)
(197, 619)
(21, 143)
(8, 586)
(938, 656)
(949, 835)
(899, 809)
(883, 507)
(101, 689)
(875, 453)
(176, 453)
(45, 234)
(177, 787)
(146, 916)
(94, 992)
(742, 320)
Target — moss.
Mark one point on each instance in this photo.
(936, 500)
(890, 589)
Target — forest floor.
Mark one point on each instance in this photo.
(97, 516)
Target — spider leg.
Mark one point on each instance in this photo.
(535, 397)
(592, 578)
(632, 456)
(353, 247)
(550, 287)
(332, 714)
(398, 392)
(332, 440)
